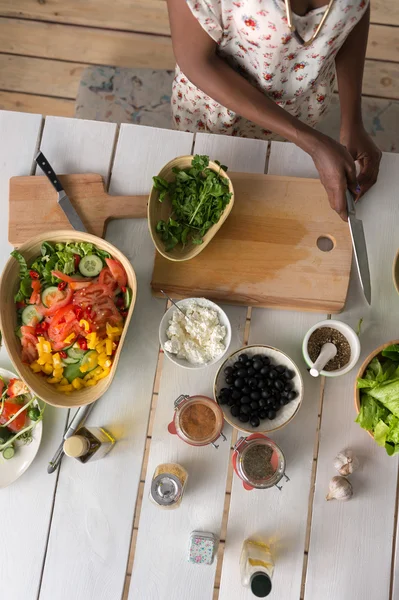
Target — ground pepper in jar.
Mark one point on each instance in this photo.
(322, 336)
(198, 421)
(257, 462)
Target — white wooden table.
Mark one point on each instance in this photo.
(68, 535)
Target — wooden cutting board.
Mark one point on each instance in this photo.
(266, 253)
(33, 207)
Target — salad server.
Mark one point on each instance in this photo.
(359, 246)
(63, 200)
(79, 418)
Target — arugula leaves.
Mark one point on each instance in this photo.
(25, 285)
(198, 197)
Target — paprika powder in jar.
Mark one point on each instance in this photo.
(198, 420)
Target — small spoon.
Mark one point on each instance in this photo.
(174, 304)
(327, 352)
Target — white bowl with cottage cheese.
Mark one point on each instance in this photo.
(201, 339)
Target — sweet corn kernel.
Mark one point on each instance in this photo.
(88, 376)
(102, 358)
(48, 369)
(90, 383)
(45, 358)
(58, 373)
(85, 324)
(83, 368)
(77, 383)
(104, 374)
(108, 347)
(54, 379)
(36, 368)
(64, 381)
(65, 388)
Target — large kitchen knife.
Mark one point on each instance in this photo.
(63, 200)
(359, 246)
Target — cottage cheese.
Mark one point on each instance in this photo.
(198, 339)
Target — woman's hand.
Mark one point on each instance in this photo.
(337, 171)
(362, 149)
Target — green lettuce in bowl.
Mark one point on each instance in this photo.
(379, 399)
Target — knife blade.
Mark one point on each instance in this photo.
(63, 200)
(359, 246)
(79, 418)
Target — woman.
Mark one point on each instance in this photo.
(266, 69)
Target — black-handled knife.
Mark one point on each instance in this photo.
(63, 200)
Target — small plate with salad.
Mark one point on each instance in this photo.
(20, 427)
(65, 304)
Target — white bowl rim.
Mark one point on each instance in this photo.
(353, 340)
(185, 364)
(297, 371)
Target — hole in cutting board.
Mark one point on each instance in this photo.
(325, 243)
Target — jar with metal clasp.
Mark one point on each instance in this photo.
(259, 462)
(198, 420)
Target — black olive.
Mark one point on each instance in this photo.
(292, 395)
(279, 385)
(272, 374)
(244, 418)
(246, 389)
(258, 376)
(280, 369)
(282, 401)
(232, 388)
(235, 410)
(251, 371)
(222, 399)
(264, 370)
(271, 414)
(229, 379)
(262, 402)
(262, 414)
(269, 401)
(243, 358)
(257, 365)
(228, 371)
(245, 409)
(258, 357)
(255, 395)
(245, 400)
(242, 372)
(255, 422)
(265, 394)
(254, 405)
(231, 402)
(225, 391)
(236, 394)
(288, 386)
(239, 383)
(286, 401)
(237, 365)
(266, 360)
(253, 383)
(247, 364)
(276, 396)
(289, 374)
(262, 384)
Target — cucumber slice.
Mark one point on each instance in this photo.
(8, 452)
(18, 333)
(73, 371)
(70, 361)
(90, 265)
(29, 313)
(76, 353)
(48, 292)
(128, 295)
(90, 361)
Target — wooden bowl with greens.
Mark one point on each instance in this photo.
(190, 200)
(377, 396)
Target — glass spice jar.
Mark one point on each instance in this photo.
(168, 485)
(259, 462)
(198, 420)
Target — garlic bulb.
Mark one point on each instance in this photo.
(346, 462)
(339, 489)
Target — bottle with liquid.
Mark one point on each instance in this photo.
(257, 566)
(89, 443)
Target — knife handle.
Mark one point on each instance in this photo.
(48, 171)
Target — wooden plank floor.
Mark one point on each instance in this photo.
(44, 46)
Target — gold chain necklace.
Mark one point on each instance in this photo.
(292, 27)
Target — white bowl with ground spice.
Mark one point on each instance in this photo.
(342, 336)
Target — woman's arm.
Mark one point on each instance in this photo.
(196, 55)
(350, 66)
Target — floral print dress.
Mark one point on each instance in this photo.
(254, 38)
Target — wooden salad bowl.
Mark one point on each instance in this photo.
(162, 210)
(395, 272)
(362, 370)
(8, 319)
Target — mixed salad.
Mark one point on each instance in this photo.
(71, 304)
(379, 399)
(19, 414)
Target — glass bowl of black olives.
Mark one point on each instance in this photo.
(259, 389)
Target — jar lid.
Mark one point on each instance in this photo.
(261, 584)
(166, 489)
(75, 446)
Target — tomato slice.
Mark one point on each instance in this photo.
(16, 387)
(95, 293)
(9, 410)
(106, 278)
(63, 323)
(35, 297)
(118, 271)
(58, 300)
